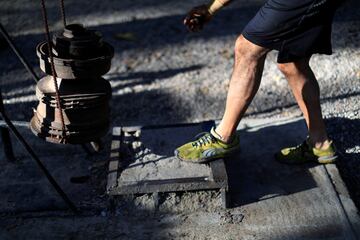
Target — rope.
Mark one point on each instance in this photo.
(57, 94)
(62, 7)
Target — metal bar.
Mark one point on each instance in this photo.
(38, 161)
(5, 136)
(115, 155)
(40, 164)
(62, 8)
(15, 123)
(18, 53)
(8, 149)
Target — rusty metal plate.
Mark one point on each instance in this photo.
(76, 68)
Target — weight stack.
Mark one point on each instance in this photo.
(80, 57)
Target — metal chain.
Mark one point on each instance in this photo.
(57, 94)
(62, 7)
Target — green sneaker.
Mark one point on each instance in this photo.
(207, 148)
(304, 153)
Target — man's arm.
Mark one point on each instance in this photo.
(200, 15)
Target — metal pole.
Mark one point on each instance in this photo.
(8, 149)
(18, 53)
(40, 164)
(5, 136)
(38, 161)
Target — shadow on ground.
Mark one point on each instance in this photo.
(253, 178)
(346, 136)
(131, 79)
(253, 173)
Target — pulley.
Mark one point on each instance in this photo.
(79, 112)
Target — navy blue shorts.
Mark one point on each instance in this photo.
(296, 28)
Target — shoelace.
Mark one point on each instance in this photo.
(203, 139)
(301, 147)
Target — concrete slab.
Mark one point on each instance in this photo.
(152, 154)
(287, 202)
(142, 161)
(270, 200)
(279, 201)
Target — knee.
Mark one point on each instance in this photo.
(240, 45)
(248, 50)
(292, 68)
(287, 68)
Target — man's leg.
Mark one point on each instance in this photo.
(305, 88)
(244, 83)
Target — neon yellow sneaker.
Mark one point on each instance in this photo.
(207, 148)
(304, 153)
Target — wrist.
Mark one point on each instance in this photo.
(215, 6)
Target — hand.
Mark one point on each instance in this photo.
(197, 18)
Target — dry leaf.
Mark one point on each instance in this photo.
(127, 36)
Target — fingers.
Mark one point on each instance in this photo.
(196, 18)
(193, 23)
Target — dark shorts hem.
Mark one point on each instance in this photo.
(297, 29)
(294, 58)
(258, 41)
(282, 57)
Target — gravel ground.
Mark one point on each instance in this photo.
(167, 75)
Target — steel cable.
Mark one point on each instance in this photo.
(62, 7)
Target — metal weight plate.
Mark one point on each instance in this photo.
(80, 58)
(76, 68)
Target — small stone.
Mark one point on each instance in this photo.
(237, 218)
(103, 213)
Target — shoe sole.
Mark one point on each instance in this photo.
(327, 160)
(206, 160)
(320, 160)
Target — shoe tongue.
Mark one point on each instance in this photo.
(216, 135)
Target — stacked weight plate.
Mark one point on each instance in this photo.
(81, 57)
